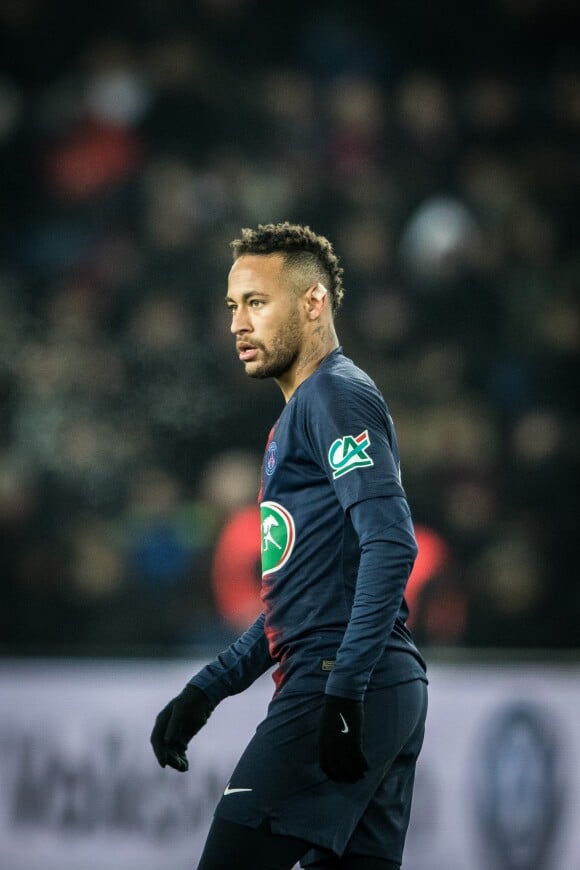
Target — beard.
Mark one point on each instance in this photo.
(282, 353)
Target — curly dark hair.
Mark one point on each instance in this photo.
(299, 246)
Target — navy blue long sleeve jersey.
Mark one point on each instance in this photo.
(337, 548)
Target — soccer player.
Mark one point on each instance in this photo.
(328, 777)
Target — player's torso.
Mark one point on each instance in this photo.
(309, 549)
(333, 445)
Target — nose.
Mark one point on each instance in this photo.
(240, 322)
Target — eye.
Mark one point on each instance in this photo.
(256, 303)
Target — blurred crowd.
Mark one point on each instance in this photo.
(437, 146)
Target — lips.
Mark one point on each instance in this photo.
(246, 352)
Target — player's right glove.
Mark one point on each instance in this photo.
(340, 739)
(176, 725)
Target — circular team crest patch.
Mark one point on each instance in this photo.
(278, 536)
(271, 458)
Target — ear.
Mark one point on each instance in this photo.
(316, 300)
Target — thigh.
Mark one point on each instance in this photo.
(280, 761)
(394, 730)
(279, 778)
(382, 828)
(231, 845)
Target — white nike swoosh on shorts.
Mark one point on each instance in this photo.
(229, 790)
(345, 730)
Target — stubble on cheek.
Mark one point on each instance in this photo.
(282, 352)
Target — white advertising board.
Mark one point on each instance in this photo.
(498, 784)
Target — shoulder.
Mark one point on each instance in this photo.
(340, 378)
(342, 392)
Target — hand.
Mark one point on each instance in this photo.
(176, 725)
(340, 739)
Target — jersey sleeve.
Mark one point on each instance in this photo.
(353, 438)
(236, 668)
(388, 550)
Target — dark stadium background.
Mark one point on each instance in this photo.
(437, 146)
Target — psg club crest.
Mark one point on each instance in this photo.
(271, 458)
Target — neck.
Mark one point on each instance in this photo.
(322, 342)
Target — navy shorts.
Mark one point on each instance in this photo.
(278, 778)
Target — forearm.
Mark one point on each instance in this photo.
(236, 668)
(388, 550)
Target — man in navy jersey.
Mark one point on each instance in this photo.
(328, 777)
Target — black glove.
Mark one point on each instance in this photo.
(176, 725)
(340, 739)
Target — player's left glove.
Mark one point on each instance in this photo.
(340, 739)
(176, 725)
